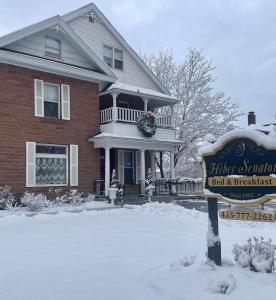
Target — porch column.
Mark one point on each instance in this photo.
(143, 171)
(107, 171)
(152, 164)
(172, 116)
(114, 108)
(173, 190)
(146, 100)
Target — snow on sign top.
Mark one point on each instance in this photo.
(240, 167)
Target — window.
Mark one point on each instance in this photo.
(113, 57)
(51, 100)
(52, 47)
(108, 56)
(51, 165)
(118, 59)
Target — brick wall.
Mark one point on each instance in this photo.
(18, 125)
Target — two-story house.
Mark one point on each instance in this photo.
(71, 91)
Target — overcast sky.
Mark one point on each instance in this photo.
(238, 35)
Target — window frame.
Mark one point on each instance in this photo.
(47, 155)
(113, 57)
(59, 99)
(44, 47)
(114, 50)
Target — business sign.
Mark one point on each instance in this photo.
(240, 168)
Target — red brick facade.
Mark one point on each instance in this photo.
(18, 124)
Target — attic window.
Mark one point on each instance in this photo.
(52, 47)
(113, 57)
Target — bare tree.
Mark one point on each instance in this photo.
(201, 109)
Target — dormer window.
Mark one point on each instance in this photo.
(113, 57)
(52, 47)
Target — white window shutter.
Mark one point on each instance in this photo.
(65, 102)
(121, 170)
(39, 98)
(74, 165)
(138, 166)
(30, 163)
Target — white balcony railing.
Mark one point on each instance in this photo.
(128, 115)
(106, 115)
(131, 115)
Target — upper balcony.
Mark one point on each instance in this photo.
(129, 115)
(125, 103)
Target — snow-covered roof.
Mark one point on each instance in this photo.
(129, 138)
(138, 91)
(264, 128)
(267, 141)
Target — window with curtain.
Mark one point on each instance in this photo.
(51, 165)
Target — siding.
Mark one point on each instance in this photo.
(33, 45)
(95, 35)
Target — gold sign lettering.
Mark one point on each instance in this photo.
(242, 181)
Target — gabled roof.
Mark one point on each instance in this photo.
(74, 39)
(85, 9)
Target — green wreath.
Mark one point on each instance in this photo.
(147, 124)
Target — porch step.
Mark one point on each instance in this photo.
(132, 189)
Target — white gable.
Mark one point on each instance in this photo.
(95, 35)
(34, 45)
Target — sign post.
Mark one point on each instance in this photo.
(240, 169)
(214, 247)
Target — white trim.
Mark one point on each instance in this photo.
(39, 98)
(51, 66)
(76, 165)
(63, 103)
(30, 146)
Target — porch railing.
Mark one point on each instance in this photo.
(106, 115)
(128, 115)
(131, 115)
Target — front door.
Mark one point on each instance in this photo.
(128, 167)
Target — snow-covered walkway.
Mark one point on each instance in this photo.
(122, 254)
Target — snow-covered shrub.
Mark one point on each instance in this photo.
(186, 261)
(35, 202)
(75, 198)
(7, 200)
(223, 285)
(257, 254)
(90, 197)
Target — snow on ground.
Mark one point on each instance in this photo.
(124, 254)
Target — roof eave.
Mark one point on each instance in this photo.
(40, 64)
(117, 90)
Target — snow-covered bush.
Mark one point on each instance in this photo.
(75, 198)
(257, 254)
(223, 285)
(90, 197)
(7, 200)
(186, 261)
(35, 202)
